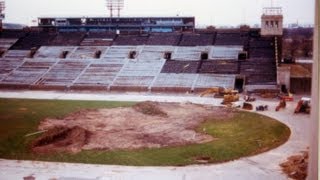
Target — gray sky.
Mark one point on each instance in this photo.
(207, 12)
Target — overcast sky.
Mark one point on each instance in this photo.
(207, 12)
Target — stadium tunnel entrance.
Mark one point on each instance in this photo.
(239, 83)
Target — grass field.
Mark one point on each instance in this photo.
(244, 134)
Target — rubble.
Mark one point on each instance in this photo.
(296, 166)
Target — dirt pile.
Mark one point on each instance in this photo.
(145, 125)
(61, 139)
(296, 166)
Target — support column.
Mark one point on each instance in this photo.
(313, 173)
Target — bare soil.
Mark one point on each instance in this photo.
(145, 125)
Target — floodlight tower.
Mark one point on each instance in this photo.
(2, 7)
(115, 5)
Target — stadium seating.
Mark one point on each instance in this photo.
(88, 52)
(133, 40)
(189, 53)
(164, 39)
(7, 65)
(68, 39)
(219, 67)
(155, 62)
(54, 51)
(154, 52)
(63, 74)
(17, 54)
(98, 76)
(231, 38)
(205, 81)
(118, 53)
(12, 34)
(29, 72)
(98, 39)
(172, 66)
(33, 40)
(173, 82)
(5, 44)
(259, 71)
(225, 52)
(197, 40)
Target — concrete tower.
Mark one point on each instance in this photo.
(272, 21)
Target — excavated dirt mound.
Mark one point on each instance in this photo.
(145, 125)
(296, 166)
(61, 139)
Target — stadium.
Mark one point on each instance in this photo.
(140, 54)
(143, 77)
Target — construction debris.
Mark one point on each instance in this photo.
(296, 166)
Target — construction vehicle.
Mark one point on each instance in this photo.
(219, 91)
(230, 98)
(213, 90)
(228, 95)
(282, 104)
(303, 106)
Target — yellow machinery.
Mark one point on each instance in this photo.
(229, 95)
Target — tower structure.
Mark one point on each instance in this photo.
(2, 7)
(272, 21)
(115, 5)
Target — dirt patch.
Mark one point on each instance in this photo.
(161, 125)
(296, 166)
(150, 108)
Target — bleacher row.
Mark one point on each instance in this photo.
(183, 53)
(28, 40)
(145, 62)
(78, 74)
(262, 47)
(80, 68)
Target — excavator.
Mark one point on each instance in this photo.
(229, 95)
(213, 90)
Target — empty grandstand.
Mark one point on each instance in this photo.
(91, 54)
(134, 67)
